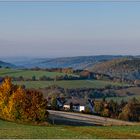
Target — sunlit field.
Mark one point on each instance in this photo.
(13, 130)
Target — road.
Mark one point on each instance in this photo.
(60, 117)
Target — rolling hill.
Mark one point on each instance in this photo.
(78, 62)
(128, 67)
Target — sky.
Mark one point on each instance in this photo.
(57, 29)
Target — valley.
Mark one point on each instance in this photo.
(101, 85)
(69, 69)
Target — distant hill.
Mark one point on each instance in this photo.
(78, 62)
(5, 64)
(23, 62)
(128, 67)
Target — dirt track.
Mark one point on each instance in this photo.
(60, 117)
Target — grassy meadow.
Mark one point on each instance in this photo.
(14, 130)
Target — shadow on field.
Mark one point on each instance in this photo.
(70, 122)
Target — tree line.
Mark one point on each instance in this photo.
(128, 111)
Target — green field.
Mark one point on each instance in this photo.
(41, 84)
(13, 130)
(29, 73)
(68, 83)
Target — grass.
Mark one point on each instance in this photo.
(68, 84)
(28, 73)
(13, 130)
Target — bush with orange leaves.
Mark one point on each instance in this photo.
(18, 104)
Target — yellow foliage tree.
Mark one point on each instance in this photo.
(17, 103)
(6, 90)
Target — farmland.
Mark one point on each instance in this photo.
(68, 84)
(64, 83)
(29, 73)
(14, 130)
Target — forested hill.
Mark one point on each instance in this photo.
(78, 62)
(122, 67)
(5, 64)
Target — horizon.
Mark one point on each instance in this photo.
(54, 29)
(13, 58)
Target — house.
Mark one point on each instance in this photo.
(60, 102)
(78, 105)
(91, 105)
(75, 104)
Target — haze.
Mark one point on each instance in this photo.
(54, 29)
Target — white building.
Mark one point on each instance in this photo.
(77, 104)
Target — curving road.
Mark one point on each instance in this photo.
(60, 117)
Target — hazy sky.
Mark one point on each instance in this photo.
(52, 29)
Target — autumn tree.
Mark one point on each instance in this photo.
(105, 112)
(54, 102)
(130, 112)
(6, 90)
(36, 107)
(99, 106)
(17, 103)
(113, 108)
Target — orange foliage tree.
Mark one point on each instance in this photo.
(17, 103)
